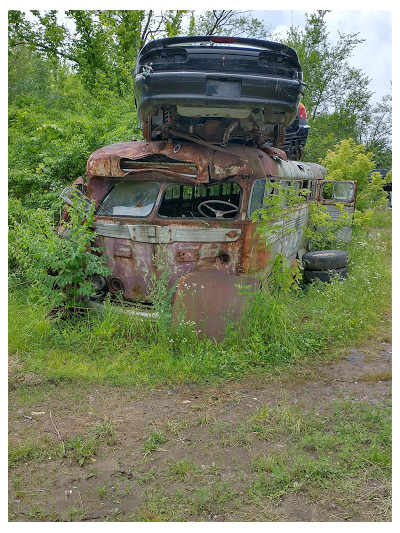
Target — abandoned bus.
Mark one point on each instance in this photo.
(186, 209)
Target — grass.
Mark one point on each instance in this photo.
(125, 351)
(29, 450)
(331, 457)
(105, 430)
(153, 442)
(340, 454)
(181, 469)
(81, 449)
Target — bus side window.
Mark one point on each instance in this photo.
(312, 185)
(282, 186)
(257, 196)
(297, 186)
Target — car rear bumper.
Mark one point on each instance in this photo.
(277, 97)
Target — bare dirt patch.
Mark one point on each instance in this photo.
(194, 453)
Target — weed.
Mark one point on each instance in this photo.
(36, 513)
(238, 436)
(105, 430)
(152, 443)
(30, 450)
(82, 450)
(75, 513)
(206, 500)
(102, 491)
(172, 425)
(202, 421)
(181, 469)
(145, 477)
(266, 463)
(277, 330)
(281, 420)
(62, 267)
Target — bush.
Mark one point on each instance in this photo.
(351, 161)
(62, 265)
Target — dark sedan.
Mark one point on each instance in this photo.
(218, 89)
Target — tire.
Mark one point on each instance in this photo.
(325, 275)
(325, 260)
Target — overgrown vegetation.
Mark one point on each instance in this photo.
(62, 263)
(71, 93)
(122, 349)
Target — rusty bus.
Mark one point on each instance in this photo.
(187, 208)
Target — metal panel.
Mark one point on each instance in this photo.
(212, 300)
(300, 170)
(165, 234)
(345, 232)
(288, 239)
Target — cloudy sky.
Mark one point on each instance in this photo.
(374, 56)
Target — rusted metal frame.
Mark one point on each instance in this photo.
(318, 193)
(207, 144)
(244, 160)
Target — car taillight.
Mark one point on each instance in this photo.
(223, 39)
(302, 111)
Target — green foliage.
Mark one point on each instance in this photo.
(124, 350)
(161, 291)
(373, 194)
(62, 264)
(280, 202)
(337, 96)
(349, 161)
(376, 131)
(325, 232)
(81, 449)
(71, 88)
(284, 277)
(70, 92)
(102, 45)
(54, 125)
(152, 443)
(327, 130)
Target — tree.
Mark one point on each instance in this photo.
(102, 46)
(332, 85)
(351, 161)
(226, 22)
(376, 132)
(337, 95)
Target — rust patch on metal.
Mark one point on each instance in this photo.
(187, 255)
(211, 164)
(212, 300)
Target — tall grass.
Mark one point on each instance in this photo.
(121, 349)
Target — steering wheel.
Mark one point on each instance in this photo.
(217, 212)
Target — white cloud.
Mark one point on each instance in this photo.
(374, 55)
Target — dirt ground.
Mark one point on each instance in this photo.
(200, 470)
